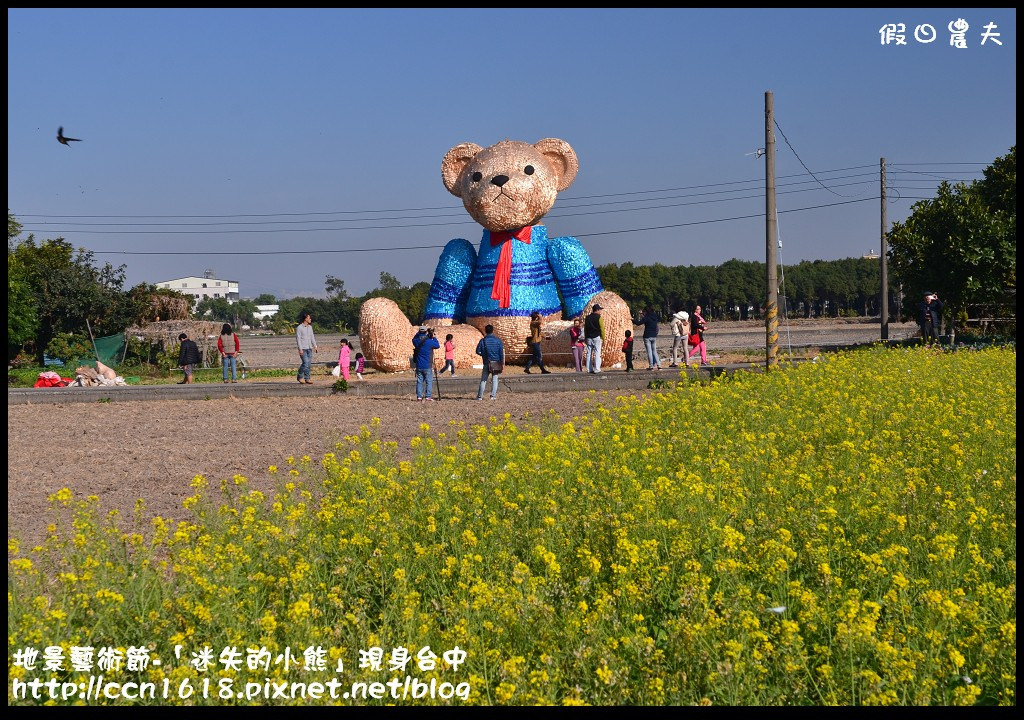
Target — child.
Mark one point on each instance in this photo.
(360, 365)
(627, 347)
(343, 356)
(449, 354)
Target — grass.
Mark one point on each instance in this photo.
(149, 375)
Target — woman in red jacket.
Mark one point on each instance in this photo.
(229, 347)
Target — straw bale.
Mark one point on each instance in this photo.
(617, 320)
(465, 338)
(385, 335)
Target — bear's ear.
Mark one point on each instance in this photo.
(453, 164)
(562, 158)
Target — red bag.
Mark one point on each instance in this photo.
(694, 340)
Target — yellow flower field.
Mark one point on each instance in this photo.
(839, 532)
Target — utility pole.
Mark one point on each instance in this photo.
(771, 306)
(885, 262)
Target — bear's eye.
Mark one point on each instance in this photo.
(528, 169)
(476, 177)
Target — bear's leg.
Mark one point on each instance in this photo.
(617, 320)
(385, 335)
(465, 338)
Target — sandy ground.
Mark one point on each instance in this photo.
(152, 449)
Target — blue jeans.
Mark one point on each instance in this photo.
(229, 360)
(652, 351)
(424, 376)
(536, 358)
(307, 364)
(483, 383)
(594, 358)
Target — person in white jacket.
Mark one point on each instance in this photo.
(680, 335)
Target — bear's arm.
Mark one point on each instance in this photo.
(449, 290)
(574, 272)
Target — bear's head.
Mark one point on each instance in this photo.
(512, 184)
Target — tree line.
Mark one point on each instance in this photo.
(735, 290)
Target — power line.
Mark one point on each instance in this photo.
(804, 164)
(47, 225)
(563, 200)
(758, 181)
(435, 247)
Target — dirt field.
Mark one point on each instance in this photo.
(151, 449)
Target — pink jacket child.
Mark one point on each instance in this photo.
(343, 357)
(449, 354)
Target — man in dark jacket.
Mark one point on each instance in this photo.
(424, 344)
(593, 335)
(188, 358)
(930, 317)
(491, 350)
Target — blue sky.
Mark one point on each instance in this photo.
(325, 129)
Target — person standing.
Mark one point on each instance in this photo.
(535, 337)
(306, 341)
(650, 321)
(360, 365)
(576, 341)
(228, 347)
(680, 336)
(424, 344)
(930, 317)
(697, 327)
(627, 347)
(344, 355)
(188, 358)
(492, 351)
(449, 354)
(593, 334)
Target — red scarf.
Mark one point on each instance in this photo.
(501, 290)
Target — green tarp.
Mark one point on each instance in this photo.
(110, 349)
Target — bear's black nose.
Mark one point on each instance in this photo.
(499, 180)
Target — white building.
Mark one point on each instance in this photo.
(203, 287)
(265, 311)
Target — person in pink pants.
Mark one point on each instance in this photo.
(343, 357)
(697, 344)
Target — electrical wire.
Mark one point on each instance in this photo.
(782, 284)
(434, 247)
(566, 199)
(804, 164)
(46, 225)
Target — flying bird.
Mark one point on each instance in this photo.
(65, 140)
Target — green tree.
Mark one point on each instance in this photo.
(68, 291)
(265, 299)
(389, 283)
(220, 309)
(22, 316)
(962, 244)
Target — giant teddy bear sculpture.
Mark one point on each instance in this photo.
(518, 269)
